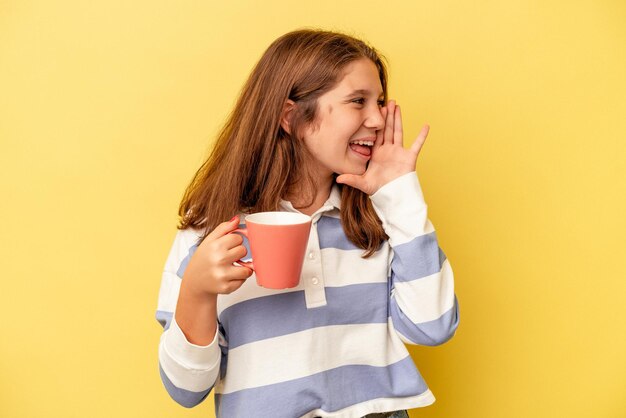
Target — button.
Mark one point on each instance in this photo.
(311, 255)
(314, 280)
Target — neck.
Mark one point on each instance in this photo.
(299, 195)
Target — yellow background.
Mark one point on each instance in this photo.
(108, 108)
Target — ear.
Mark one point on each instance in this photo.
(285, 117)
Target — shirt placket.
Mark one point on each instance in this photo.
(312, 275)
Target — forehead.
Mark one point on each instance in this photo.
(360, 75)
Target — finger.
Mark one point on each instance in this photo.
(226, 242)
(397, 128)
(233, 285)
(239, 273)
(236, 253)
(224, 228)
(419, 141)
(380, 134)
(352, 180)
(389, 123)
(229, 241)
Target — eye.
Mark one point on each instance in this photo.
(361, 100)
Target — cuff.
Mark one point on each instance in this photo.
(401, 208)
(403, 190)
(191, 355)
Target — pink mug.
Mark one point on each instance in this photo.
(278, 241)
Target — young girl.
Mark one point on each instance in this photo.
(312, 132)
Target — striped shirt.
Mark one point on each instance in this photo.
(334, 345)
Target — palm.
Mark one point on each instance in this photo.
(390, 159)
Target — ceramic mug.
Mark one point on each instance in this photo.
(278, 242)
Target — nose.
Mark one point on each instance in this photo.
(375, 118)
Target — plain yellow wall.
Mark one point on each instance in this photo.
(108, 108)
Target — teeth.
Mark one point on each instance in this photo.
(368, 143)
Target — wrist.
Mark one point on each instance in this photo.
(196, 315)
(390, 179)
(195, 296)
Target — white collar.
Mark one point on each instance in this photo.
(333, 201)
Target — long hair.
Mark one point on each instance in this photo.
(255, 162)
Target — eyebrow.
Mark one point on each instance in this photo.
(365, 92)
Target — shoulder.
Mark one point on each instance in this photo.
(185, 240)
(188, 237)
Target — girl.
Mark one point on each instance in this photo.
(312, 132)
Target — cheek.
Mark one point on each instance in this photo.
(330, 140)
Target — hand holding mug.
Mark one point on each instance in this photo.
(211, 269)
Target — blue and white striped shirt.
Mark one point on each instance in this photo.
(334, 345)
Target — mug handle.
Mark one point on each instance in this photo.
(243, 232)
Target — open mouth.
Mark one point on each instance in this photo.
(362, 147)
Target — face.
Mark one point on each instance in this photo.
(346, 114)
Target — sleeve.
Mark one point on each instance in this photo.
(423, 306)
(188, 371)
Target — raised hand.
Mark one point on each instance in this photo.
(390, 159)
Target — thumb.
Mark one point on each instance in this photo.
(351, 180)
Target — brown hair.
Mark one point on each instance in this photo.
(255, 162)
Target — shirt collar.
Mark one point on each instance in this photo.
(333, 201)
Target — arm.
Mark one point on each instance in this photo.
(189, 353)
(423, 306)
(188, 370)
